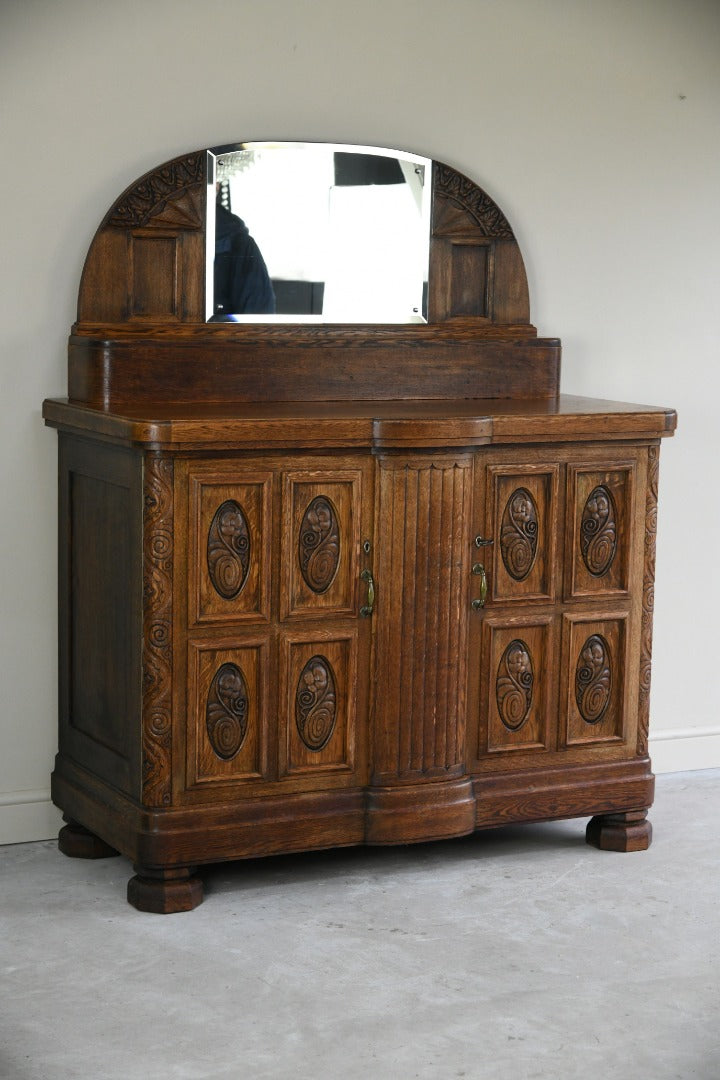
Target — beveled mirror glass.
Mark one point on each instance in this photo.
(317, 232)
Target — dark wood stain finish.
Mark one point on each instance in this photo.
(332, 585)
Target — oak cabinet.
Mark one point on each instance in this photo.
(323, 586)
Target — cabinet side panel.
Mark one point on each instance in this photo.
(648, 597)
(100, 609)
(423, 575)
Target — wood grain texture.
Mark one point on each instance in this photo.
(365, 424)
(113, 373)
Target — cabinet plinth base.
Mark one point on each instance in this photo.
(164, 892)
(630, 831)
(77, 842)
(413, 814)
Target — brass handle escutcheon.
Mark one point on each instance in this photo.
(479, 571)
(367, 609)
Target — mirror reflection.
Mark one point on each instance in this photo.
(311, 232)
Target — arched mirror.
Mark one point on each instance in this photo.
(317, 232)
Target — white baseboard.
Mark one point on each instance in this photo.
(685, 749)
(27, 816)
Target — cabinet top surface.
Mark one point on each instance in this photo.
(368, 424)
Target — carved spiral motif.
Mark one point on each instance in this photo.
(315, 703)
(228, 549)
(519, 534)
(514, 685)
(598, 531)
(319, 544)
(593, 679)
(226, 714)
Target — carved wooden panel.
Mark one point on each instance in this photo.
(523, 525)
(227, 713)
(318, 693)
(595, 666)
(319, 544)
(228, 549)
(321, 516)
(316, 703)
(229, 544)
(516, 675)
(158, 536)
(599, 529)
(424, 591)
(519, 534)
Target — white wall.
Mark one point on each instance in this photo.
(594, 123)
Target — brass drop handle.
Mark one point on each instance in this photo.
(479, 571)
(367, 609)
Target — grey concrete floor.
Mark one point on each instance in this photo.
(517, 954)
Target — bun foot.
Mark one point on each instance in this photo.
(630, 831)
(164, 892)
(78, 842)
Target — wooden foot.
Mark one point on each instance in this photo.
(630, 831)
(79, 843)
(164, 891)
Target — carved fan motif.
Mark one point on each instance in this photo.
(598, 531)
(173, 195)
(519, 534)
(472, 200)
(228, 549)
(227, 711)
(593, 679)
(315, 703)
(514, 685)
(319, 544)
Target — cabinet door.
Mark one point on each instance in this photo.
(272, 640)
(554, 648)
(324, 641)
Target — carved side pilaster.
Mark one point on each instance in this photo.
(648, 599)
(157, 631)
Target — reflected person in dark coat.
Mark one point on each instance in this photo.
(242, 282)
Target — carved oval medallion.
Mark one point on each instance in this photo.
(519, 534)
(228, 549)
(315, 703)
(226, 714)
(593, 679)
(319, 544)
(598, 531)
(514, 685)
